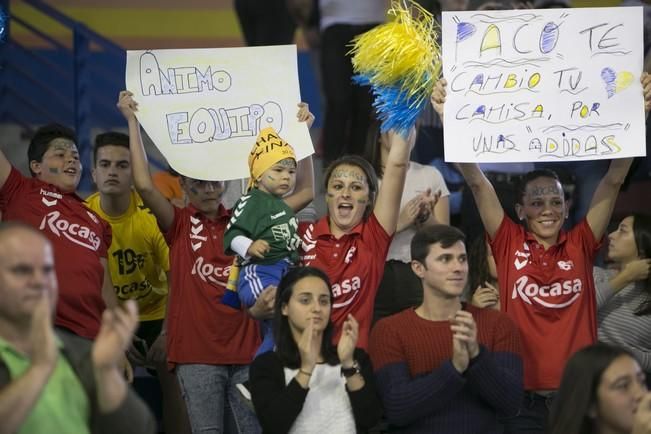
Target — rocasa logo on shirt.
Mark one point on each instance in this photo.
(78, 234)
(209, 273)
(531, 292)
(346, 286)
(135, 290)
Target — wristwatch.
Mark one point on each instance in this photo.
(349, 372)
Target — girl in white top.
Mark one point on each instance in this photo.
(307, 385)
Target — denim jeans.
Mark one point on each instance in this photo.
(214, 404)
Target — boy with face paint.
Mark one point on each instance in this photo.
(47, 202)
(263, 227)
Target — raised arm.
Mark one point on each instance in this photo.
(441, 214)
(387, 204)
(605, 196)
(489, 206)
(152, 198)
(304, 191)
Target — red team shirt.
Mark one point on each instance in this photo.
(79, 237)
(201, 329)
(549, 294)
(354, 263)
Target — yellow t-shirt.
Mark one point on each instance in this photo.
(138, 257)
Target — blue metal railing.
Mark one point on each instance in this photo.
(60, 83)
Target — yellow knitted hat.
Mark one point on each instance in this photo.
(269, 149)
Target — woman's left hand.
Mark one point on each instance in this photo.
(427, 205)
(486, 297)
(438, 97)
(348, 341)
(304, 114)
(409, 213)
(637, 269)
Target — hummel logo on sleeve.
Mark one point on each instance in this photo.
(308, 242)
(240, 206)
(520, 264)
(194, 233)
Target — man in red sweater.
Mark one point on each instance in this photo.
(446, 366)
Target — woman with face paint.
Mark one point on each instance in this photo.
(350, 244)
(603, 391)
(544, 273)
(624, 293)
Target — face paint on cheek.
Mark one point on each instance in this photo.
(362, 201)
(330, 195)
(271, 178)
(194, 191)
(53, 170)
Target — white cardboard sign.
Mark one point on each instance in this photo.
(543, 85)
(204, 108)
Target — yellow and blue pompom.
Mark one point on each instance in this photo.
(400, 60)
(395, 108)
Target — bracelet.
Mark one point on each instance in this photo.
(309, 374)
